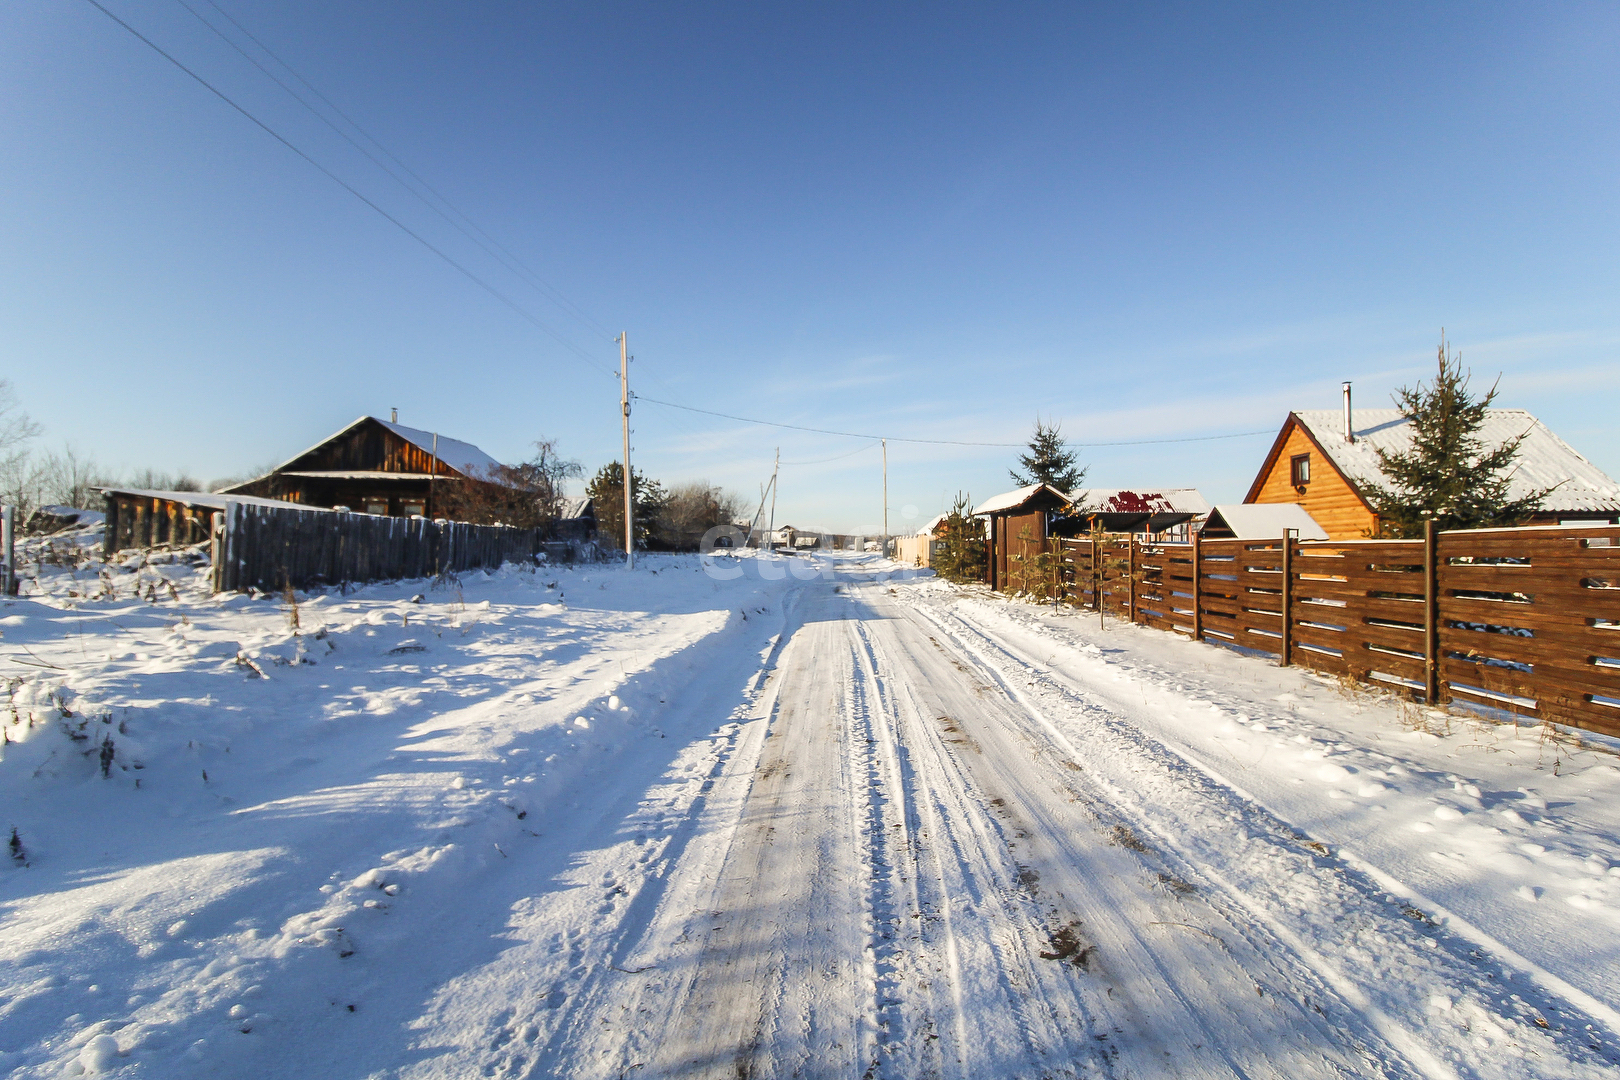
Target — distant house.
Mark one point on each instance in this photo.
(1322, 458)
(918, 548)
(376, 467)
(576, 519)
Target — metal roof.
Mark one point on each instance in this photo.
(1544, 459)
(464, 457)
(1141, 500)
(1263, 521)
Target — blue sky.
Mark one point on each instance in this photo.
(1144, 221)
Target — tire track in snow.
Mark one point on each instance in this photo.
(943, 813)
(1173, 1019)
(1415, 963)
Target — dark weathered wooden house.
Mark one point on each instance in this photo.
(377, 467)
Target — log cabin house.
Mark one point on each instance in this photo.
(376, 467)
(1321, 458)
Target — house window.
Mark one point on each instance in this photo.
(412, 509)
(1300, 470)
(377, 506)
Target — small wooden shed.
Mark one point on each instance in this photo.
(1020, 522)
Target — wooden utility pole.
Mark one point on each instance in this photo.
(885, 551)
(629, 485)
(433, 467)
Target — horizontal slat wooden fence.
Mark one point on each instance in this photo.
(269, 548)
(1526, 620)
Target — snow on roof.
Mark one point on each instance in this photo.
(932, 524)
(1544, 459)
(361, 474)
(1264, 521)
(207, 499)
(464, 457)
(1141, 500)
(574, 508)
(1013, 499)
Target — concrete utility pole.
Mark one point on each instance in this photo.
(770, 529)
(8, 552)
(624, 405)
(885, 551)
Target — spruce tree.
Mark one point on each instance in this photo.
(1447, 472)
(606, 490)
(1049, 461)
(960, 555)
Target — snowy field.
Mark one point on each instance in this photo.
(763, 819)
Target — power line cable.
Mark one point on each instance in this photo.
(505, 257)
(938, 442)
(480, 282)
(835, 457)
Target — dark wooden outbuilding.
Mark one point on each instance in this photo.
(138, 518)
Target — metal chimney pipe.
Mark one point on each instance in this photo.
(1349, 427)
(393, 414)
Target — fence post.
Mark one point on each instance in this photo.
(216, 549)
(1288, 596)
(1130, 565)
(8, 551)
(1431, 615)
(1197, 586)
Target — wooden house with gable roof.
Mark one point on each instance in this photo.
(1321, 459)
(376, 467)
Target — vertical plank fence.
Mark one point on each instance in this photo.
(1526, 619)
(269, 548)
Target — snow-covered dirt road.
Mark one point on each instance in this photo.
(950, 864)
(813, 820)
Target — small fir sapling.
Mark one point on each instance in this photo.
(960, 555)
(19, 854)
(107, 754)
